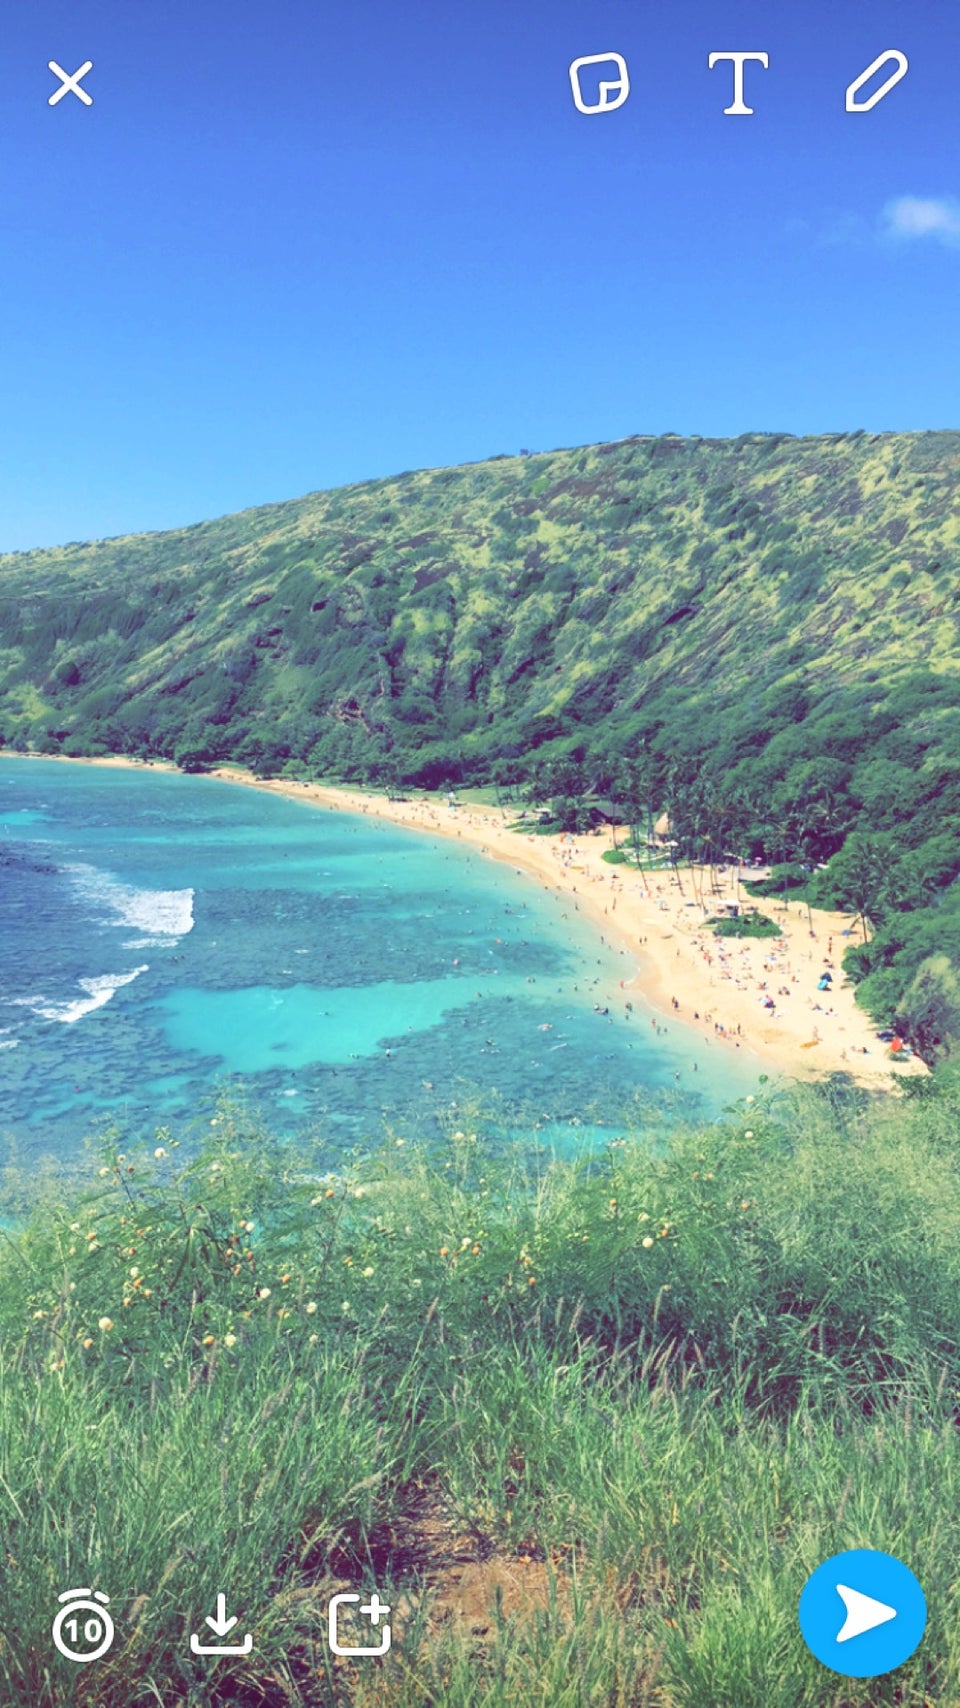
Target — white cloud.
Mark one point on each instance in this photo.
(910, 217)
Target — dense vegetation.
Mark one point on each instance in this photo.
(746, 925)
(644, 1394)
(759, 636)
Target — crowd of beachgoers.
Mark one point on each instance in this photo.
(785, 998)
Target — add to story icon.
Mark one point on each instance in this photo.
(83, 1639)
(221, 1626)
(374, 1610)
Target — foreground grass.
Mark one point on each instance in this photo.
(650, 1392)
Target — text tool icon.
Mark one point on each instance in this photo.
(70, 83)
(221, 1626)
(738, 105)
(374, 1610)
(612, 92)
(83, 1639)
(862, 1613)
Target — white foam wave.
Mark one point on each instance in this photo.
(97, 993)
(162, 915)
(9, 1043)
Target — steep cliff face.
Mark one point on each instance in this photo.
(503, 605)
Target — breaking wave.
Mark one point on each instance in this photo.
(97, 993)
(162, 916)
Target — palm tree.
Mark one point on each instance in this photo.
(860, 876)
(631, 789)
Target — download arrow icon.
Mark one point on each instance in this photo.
(221, 1625)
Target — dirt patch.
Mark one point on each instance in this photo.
(458, 1577)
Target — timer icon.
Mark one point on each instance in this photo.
(83, 1639)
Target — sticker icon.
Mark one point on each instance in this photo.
(373, 1610)
(612, 92)
(862, 1613)
(83, 1639)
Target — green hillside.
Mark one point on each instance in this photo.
(758, 634)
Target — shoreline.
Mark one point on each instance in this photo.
(715, 986)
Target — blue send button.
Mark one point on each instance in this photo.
(862, 1613)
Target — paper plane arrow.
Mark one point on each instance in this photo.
(863, 1613)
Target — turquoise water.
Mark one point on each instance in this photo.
(166, 938)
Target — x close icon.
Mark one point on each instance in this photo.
(70, 83)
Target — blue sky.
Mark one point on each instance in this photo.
(293, 245)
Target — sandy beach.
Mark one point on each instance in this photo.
(757, 995)
(722, 986)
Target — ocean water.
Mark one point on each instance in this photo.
(166, 938)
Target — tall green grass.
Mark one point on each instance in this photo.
(667, 1381)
